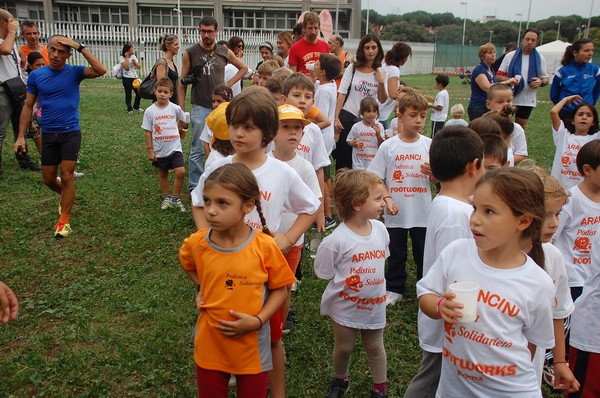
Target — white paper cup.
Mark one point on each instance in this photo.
(188, 117)
(310, 66)
(466, 294)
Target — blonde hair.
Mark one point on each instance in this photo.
(351, 188)
(553, 189)
(457, 110)
(268, 67)
(280, 74)
(486, 49)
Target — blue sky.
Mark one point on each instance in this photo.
(476, 9)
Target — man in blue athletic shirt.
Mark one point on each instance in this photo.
(57, 87)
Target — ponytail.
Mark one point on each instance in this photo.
(537, 253)
(265, 229)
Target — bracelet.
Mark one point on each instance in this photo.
(438, 305)
(260, 320)
(386, 197)
(558, 362)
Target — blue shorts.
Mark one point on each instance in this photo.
(172, 161)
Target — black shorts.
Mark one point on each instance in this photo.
(523, 112)
(57, 147)
(326, 173)
(172, 161)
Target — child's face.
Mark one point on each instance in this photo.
(246, 137)
(301, 98)
(217, 100)
(263, 77)
(412, 120)
(163, 94)
(37, 64)
(223, 208)
(500, 99)
(289, 134)
(266, 54)
(583, 120)
(370, 116)
(374, 204)
(491, 163)
(553, 208)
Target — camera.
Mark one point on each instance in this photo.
(189, 79)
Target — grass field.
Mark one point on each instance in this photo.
(108, 311)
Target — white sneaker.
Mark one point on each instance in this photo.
(176, 203)
(78, 174)
(232, 381)
(295, 286)
(392, 298)
(166, 203)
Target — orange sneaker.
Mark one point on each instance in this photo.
(62, 230)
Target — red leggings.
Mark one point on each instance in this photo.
(214, 384)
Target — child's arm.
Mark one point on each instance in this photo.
(322, 121)
(532, 349)
(558, 107)
(151, 154)
(303, 222)
(563, 377)
(247, 323)
(199, 219)
(378, 128)
(320, 215)
(437, 308)
(206, 148)
(390, 206)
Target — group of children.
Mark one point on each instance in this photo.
(268, 181)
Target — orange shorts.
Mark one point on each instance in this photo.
(293, 257)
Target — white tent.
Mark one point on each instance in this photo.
(553, 53)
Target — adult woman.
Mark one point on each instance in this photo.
(130, 65)
(364, 78)
(482, 77)
(394, 59)
(577, 76)
(164, 66)
(236, 44)
(284, 42)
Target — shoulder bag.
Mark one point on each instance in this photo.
(15, 87)
(147, 86)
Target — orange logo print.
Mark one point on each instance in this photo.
(353, 283)
(565, 161)
(157, 129)
(398, 176)
(449, 331)
(583, 245)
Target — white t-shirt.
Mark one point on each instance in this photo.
(162, 122)
(307, 173)
(132, 71)
(280, 188)
(449, 220)
(579, 221)
(325, 101)
(386, 109)
(363, 85)
(398, 163)
(213, 156)
(230, 72)
(564, 166)
(393, 129)
(562, 305)
(362, 156)
(527, 96)
(9, 67)
(519, 142)
(206, 135)
(355, 266)
(312, 147)
(441, 99)
(489, 357)
(457, 122)
(585, 322)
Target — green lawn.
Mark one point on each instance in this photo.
(108, 311)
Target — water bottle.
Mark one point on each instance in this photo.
(313, 244)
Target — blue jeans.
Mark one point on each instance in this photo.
(197, 158)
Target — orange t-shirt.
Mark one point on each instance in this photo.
(312, 113)
(234, 279)
(342, 59)
(26, 52)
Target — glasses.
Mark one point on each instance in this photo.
(207, 32)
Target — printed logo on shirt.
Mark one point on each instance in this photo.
(398, 176)
(463, 364)
(354, 283)
(365, 88)
(303, 148)
(582, 244)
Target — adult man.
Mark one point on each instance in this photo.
(336, 47)
(57, 87)
(309, 47)
(10, 110)
(31, 34)
(527, 62)
(206, 61)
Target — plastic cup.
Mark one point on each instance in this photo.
(466, 294)
(188, 117)
(310, 66)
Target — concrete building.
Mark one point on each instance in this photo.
(255, 16)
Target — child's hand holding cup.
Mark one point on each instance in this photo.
(466, 293)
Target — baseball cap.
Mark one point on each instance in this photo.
(290, 112)
(217, 122)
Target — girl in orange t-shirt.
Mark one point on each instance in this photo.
(242, 279)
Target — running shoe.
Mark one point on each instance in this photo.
(62, 230)
(166, 203)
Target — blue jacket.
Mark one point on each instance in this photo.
(576, 78)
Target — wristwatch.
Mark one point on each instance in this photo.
(81, 47)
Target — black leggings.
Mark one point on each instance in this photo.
(343, 152)
(128, 86)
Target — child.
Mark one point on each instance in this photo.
(457, 112)
(242, 279)
(265, 70)
(455, 157)
(354, 299)
(289, 134)
(299, 90)
(220, 95)
(326, 69)
(557, 374)
(504, 120)
(393, 129)
(491, 357)
(163, 141)
(568, 140)
(578, 222)
(216, 123)
(498, 96)
(494, 151)
(401, 162)
(275, 89)
(366, 135)
(440, 105)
